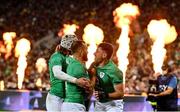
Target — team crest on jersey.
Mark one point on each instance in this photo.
(101, 74)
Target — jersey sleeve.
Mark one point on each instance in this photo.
(173, 82)
(56, 60)
(116, 76)
(75, 70)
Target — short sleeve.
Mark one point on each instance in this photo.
(75, 70)
(173, 82)
(116, 76)
(56, 60)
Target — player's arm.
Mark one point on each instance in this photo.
(118, 93)
(117, 80)
(172, 84)
(166, 92)
(58, 73)
(92, 73)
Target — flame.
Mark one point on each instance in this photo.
(8, 37)
(93, 35)
(1, 85)
(41, 65)
(123, 50)
(21, 50)
(2, 48)
(161, 33)
(124, 14)
(39, 82)
(68, 29)
(123, 17)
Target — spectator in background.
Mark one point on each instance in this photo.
(167, 88)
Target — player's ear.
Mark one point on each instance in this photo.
(81, 51)
(104, 55)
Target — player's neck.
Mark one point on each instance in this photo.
(79, 58)
(104, 62)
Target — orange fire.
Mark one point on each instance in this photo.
(93, 35)
(21, 50)
(2, 48)
(123, 17)
(161, 33)
(124, 14)
(2, 85)
(41, 65)
(39, 82)
(8, 41)
(68, 29)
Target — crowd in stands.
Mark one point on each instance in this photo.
(36, 20)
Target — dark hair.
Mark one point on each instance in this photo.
(76, 45)
(167, 67)
(108, 48)
(62, 50)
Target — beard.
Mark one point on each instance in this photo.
(98, 60)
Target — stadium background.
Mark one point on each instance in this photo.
(40, 21)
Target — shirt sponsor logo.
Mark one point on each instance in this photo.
(153, 88)
(163, 87)
(101, 74)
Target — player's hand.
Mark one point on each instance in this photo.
(89, 90)
(96, 95)
(101, 95)
(92, 71)
(151, 94)
(83, 82)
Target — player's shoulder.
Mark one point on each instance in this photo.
(57, 55)
(76, 67)
(115, 68)
(174, 77)
(74, 63)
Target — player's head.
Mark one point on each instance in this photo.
(166, 69)
(80, 48)
(66, 43)
(103, 52)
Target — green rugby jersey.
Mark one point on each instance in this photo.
(74, 93)
(57, 85)
(109, 75)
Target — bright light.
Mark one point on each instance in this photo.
(93, 35)
(68, 29)
(161, 33)
(21, 50)
(123, 17)
(8, 41)
(41, 65)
